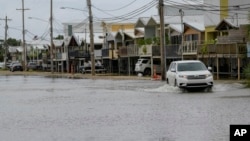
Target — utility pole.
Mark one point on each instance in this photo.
(23, 44)
(5, 40)
(51, 37)
(162, 40)
(182, 32)
(92, 54)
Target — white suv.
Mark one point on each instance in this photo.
(189, 74)
(144, 66)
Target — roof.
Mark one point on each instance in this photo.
(142, 22)
(197, 26)
(111, 36)
(80, 37)
(58, 43)
(14, 49)
(176, 27)
(225, 25)
(199, 19)
(40, 44)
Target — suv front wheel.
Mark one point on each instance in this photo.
(147, 71)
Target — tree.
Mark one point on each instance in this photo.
(13, 42)
(59, 37)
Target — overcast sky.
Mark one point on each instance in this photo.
(40, 11)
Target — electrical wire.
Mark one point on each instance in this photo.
(132, 14)
(117, 8)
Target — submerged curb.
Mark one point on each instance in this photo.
(73, 76)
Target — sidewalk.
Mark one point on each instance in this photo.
(97, 76)
(73, 76)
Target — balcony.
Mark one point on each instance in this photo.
(173, 51)
(129, 51)
(145, 50)
(79, 54)
(190, 47)
(105, 53)
(61, 56)
(222, 49)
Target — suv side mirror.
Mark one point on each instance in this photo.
(209, 68)
(172, 70)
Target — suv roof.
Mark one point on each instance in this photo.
(187, 61)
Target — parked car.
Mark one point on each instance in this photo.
(16, 67)
(81, 69)
(2, 65)
(86, 68)
(12, 63)
(189, 74)
(32, 66)
(143, 66)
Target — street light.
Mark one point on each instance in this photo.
(73, 8)
(35, 18)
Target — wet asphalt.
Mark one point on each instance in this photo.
(58, 109)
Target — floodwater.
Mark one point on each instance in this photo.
(36, 108)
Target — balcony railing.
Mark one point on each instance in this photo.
(173, 51)
(79, 54)
(123, 51)
(105, 53)
(131, 50)
(145, 50)
(190, 47)
(231, 48)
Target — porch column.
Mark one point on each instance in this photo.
(152, 67)
(217, 67)
(62, 66)
(129, 66)
(238, 68)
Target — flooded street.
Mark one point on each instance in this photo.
(46, 109)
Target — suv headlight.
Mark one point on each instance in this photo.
(183, 76)
(208, 75)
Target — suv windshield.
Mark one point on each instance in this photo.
(192, 66)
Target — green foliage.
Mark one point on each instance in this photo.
(59, 37)
(204, 48)
(144, 49)
(141, 42)
(13, 42)
(246, 72)
(167, 39)
(148, 41)
(156, 40)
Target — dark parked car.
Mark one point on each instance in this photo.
(16, 67)
(81, 69)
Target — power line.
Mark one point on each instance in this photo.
(131, 14)
(127, 5)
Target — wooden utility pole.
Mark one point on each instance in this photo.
(5, 40)
(23, 44)
(162, 40)
(51, 37)
(182, 33)
(92, 53)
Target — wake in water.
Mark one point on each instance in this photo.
(220, 87)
